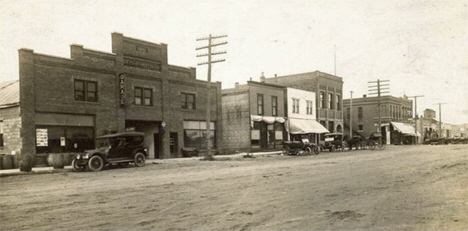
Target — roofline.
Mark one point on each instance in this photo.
(266, 84)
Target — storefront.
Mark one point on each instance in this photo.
(297, 128)
(403, 133)
(267, 132)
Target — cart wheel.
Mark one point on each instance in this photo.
(307, 151)
(285, 150)
(382, 146)
(316, 150)
(371, 145)
(333, 148)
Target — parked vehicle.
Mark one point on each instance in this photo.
(333, 142)
(359, 142)
(375, 140)
(114, 149)
(302, 147)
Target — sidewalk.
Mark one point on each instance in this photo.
(45, 170)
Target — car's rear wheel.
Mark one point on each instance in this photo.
(307, 151)
(77, 167)
(285, 150)
(95, 163)
(140, 159)
(333, 149)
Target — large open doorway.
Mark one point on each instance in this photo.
(152, 137)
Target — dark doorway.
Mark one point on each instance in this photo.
(157, 145)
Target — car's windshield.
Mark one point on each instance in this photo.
(103, 142)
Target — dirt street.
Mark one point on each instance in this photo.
(400, 188)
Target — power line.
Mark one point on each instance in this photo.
(210, 62)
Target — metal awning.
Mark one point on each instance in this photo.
(405, 129)
(304, 126)
(266, 119)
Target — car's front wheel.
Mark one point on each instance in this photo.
(95, 163)
(140, 160)
(77, 167)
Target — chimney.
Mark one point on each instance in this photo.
(250, 78)
(276, 79)
(262, 78)
(364, 96)
(237, 84)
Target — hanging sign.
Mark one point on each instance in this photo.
(122, 89)
(41, 137)
(62, 141)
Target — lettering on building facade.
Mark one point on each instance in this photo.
(122, 89)
(142, 64)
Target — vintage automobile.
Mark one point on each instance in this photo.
(114, 149)
(375, 140)
(333, 142)
(302, 147)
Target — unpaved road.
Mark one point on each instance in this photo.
(400, 188)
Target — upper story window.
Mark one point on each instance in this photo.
(187, 101)
(359, 113)
(143, 96)
(322, 99)
(259, 104)
(274, 105)
(309, 108)
(338, 102)
(86, 90)
(330, 100)
(360, 127)
(295, 106)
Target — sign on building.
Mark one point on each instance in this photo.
(41, 137)
(122, 89)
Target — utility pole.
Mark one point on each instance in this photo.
(440, 119)
(210, 62)
(335, 58)
(381, 89)
(416, 115)
(351, 116)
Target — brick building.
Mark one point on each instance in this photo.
(253, 117)
(67, 102)
(396, 114)
(10, 121)
(329, 92)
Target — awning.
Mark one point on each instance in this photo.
(405, 129)
(304, 126)
(266, 119)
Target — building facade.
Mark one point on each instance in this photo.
(253, 117)
(397, 126)
(67, 102)
(329, 95)
(301, 115)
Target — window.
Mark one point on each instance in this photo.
(359, 113)
(274, 106)
(195, 134)
(260, 104)
(322, 99)
(330, 100)
(309, 108)
(187, 101)
(331, 126)
(338, 102)
(86, 90)
(77, 139)
(143, 96)
(360, 127)
(295, 106)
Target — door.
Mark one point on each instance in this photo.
(157, 145)
(173, 147)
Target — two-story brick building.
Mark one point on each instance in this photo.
(395, 115)
(65, 103)
(253, 117)
(329, 93)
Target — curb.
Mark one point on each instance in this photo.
(42, 170)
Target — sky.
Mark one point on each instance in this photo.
(421, 47)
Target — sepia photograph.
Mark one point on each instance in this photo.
(233, 115)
